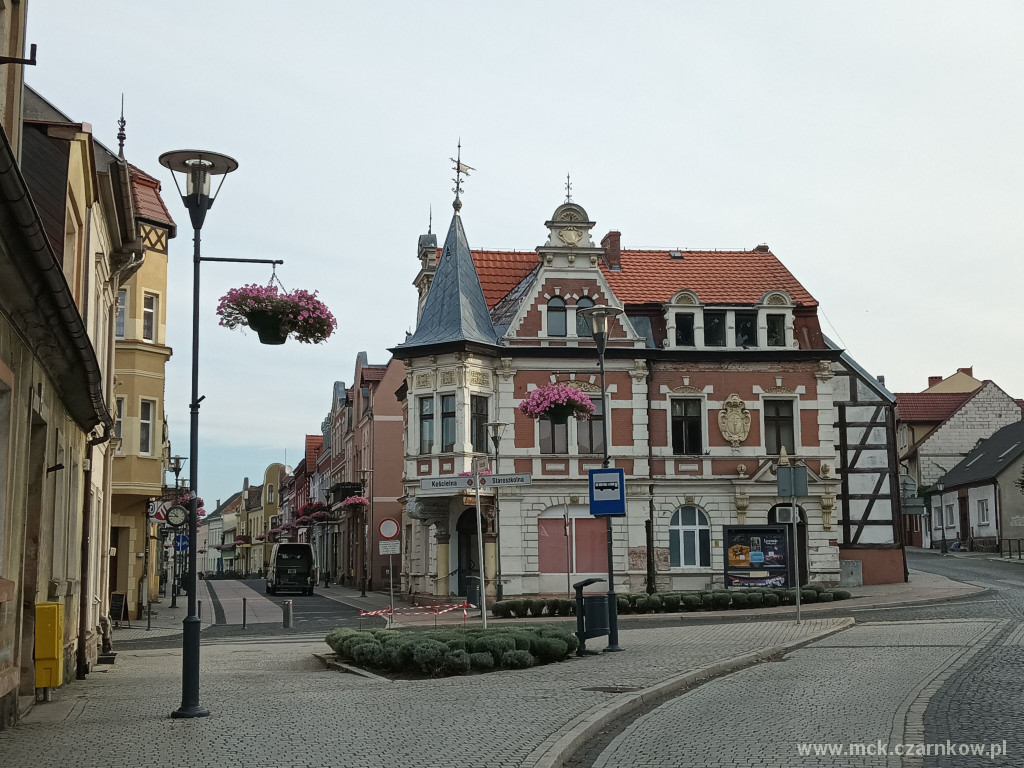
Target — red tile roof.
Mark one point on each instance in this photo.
(148, 203)
(929, 406)
(653, 277)
(374, 372)
(717, 277)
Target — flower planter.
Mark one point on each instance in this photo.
(267, 326)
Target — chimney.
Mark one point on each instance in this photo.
(762, 248)
(968, 371)
(245, 485)
(933, 380)
(881, 380)
(612, 244)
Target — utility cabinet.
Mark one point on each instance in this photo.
(49, 645)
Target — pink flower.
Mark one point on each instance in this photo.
(303, 315)
(543, 399)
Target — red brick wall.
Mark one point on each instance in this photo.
(622, 427)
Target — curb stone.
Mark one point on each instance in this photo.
(562, 744)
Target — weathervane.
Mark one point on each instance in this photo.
(460, 168)
(568, 189)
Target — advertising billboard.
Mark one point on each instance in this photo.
(756, 556)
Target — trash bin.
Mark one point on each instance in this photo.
(591, 615)
(473, 590)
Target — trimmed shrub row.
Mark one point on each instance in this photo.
(674, 602)
(440, 653)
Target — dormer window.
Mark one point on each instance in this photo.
(776, 329)
(714, 328)
(684, 329)
(556, 317)
(746, 329)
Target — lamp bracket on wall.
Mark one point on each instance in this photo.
(31, 60)
(54, 468)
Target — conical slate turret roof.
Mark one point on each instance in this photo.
(455, 309)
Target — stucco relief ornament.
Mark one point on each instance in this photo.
(570, 236)
(734, 420)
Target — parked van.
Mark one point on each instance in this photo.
(292, 566)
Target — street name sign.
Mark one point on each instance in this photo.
(504, 480)
(445, 483)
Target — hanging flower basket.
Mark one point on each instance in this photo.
(354, 502)
(275, 315)
(557, 402)
(321, 516)
(303, 521)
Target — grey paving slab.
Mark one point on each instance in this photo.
(271, 703)
(857, 687)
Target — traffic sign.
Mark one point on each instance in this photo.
(481, 463)
(607, 492)
(390, 547)
(181, 543)
(388, 529)
(502, 480)
(445, 483)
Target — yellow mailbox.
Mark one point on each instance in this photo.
(49, 645)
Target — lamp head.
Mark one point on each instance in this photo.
(600, 318)
(496, 429)
(939, 486)
(198, 167)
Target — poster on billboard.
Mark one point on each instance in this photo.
(756, 556)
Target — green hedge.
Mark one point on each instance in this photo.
(447, 652)
(672, 602)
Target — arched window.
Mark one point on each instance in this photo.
(556, 317)
(582, 323)
(689, 539)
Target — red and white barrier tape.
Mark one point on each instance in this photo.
(437, 610)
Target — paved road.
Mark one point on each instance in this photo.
(272, 704)
(917, 674)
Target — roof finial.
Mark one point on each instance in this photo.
(568, 189)
(120, 131)
(460, 168)
(430, 221)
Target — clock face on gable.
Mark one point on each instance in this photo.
(177, 516)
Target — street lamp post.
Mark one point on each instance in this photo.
(199, 167)
(600, 317)
(942, 518)
(496, 428)
(365, 477)
(175, 467)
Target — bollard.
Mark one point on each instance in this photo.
(245, 606)
(288, 617)
(149, 616)
(199, 613)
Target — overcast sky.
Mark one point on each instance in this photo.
(876, 147)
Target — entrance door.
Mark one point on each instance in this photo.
(466, 531)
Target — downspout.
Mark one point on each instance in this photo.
(85, 586)
(652, 585)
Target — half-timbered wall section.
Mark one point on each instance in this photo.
(868, 471)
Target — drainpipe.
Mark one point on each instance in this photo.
(85, 582)
(652, 585)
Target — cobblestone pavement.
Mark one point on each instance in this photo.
(856, 687)
(272, 704)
